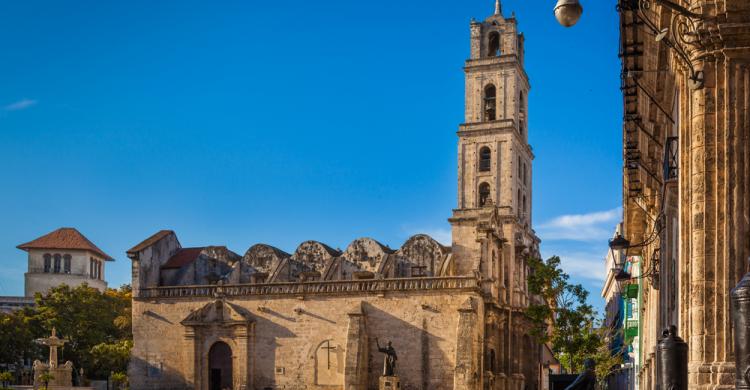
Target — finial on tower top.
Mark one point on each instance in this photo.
(497, 7)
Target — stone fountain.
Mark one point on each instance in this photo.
(62, 376)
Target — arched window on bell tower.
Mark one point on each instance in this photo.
(484, 194)
(490, 103)
(485, 159)
(493, 44)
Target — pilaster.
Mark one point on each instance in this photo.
(717, 220)
(356, 367)
(468, 348)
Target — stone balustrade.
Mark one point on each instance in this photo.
(375, 286)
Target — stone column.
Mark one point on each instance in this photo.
(191, 364)
(715, 205)
(702, 203)
(241, 378)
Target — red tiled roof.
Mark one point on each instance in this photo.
(149, 241)
(183, 257)
(64, 238)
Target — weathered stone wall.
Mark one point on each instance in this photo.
(423, 326)
(148, 260)
(41, 283)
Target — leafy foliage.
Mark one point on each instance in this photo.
(120, 380)
(5, 378)
(563, 319)
(112, 357)
(608, 361)
(17, 334)
(96, 325)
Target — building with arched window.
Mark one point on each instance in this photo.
(64, 256)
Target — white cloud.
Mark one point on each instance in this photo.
(582, 265)
(20, 105)
(581, 227)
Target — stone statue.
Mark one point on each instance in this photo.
(389, 362)
(587, 379)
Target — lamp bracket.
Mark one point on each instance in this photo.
(683, 35)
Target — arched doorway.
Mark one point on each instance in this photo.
(220, 367)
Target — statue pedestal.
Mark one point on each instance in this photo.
(390, 383)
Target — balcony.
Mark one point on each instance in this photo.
(51, 271)
(631, 291)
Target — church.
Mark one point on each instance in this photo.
(208, 318)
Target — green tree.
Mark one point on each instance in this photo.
(97, 326)
(84, 316)
(17, 334)
(608, 360)
(563, 318)
(110, 357)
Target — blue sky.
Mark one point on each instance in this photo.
(239, 122)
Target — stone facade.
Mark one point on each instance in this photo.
(207, 318)
(686, 188)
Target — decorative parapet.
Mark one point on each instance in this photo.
(375, 286)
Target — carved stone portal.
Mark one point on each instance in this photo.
(228, 329)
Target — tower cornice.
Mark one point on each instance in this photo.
(507, 61)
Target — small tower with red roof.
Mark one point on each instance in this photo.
(64, 256)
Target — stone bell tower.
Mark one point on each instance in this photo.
(493, 218)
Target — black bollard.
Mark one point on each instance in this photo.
(673, 361)
(740, 297)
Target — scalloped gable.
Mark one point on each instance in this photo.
(263, 257)
(367, 253)
(315, 255)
